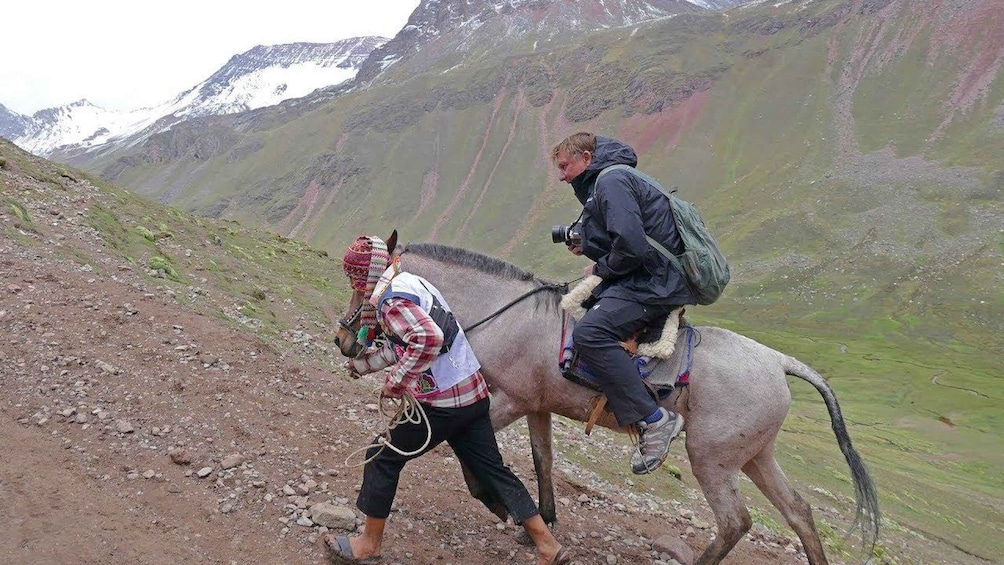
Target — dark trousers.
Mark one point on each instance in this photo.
(468, 431)
(596, 339)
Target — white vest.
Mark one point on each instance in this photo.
(451, 367)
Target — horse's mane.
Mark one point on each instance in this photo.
(467, 258)
(489, 265)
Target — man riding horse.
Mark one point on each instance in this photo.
(639, 285)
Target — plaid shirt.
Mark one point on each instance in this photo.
(408, 321)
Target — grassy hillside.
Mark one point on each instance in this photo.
(253, 278)
(847, 154)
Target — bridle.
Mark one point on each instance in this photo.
(346, 323)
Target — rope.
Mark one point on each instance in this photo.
(522, 297)
(408, 411)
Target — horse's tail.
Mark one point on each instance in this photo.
(868, 516)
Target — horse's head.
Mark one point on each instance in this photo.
(346, 336)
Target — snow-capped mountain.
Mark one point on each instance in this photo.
(267, 75)
(263, 76)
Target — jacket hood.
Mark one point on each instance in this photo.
(609, 151)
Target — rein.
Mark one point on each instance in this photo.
(563, 287)
(408, 410)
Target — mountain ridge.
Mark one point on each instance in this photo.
(259, 77)
(70, 134)
(11, 123)
(483, 27)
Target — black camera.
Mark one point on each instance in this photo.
(569, 235)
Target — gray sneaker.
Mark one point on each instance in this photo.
(654, 440)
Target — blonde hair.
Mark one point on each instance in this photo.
(574, 145)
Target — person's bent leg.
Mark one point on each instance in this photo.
(476, 446)
(382, 472)
(597, 338)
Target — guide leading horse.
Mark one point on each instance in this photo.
(734, 406)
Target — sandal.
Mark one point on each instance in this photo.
(341, 552)
(563, 557)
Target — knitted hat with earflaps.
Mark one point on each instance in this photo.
(364, 261)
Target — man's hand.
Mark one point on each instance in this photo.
(392, 390)
(351, 369)
(588, 270)
(575, 249)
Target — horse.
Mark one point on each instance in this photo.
(734, 406)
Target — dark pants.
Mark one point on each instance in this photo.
(596, 339)
(469, 432)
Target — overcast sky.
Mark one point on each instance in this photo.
(132, 54)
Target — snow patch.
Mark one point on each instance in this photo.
(388, 62)
(272, 85)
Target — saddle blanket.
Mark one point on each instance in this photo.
(675, 369)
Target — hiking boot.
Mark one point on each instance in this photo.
(653, 443)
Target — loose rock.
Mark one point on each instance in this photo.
(231, 461)
(675, 547)
(180, 457)
(331, 516)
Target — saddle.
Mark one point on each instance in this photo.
(667, 340)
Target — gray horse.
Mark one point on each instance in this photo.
(734, 407)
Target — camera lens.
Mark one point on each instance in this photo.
(559, 234)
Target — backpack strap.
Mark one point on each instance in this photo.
(443, 318)
(658, 246)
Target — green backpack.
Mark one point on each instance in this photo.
(702, 261)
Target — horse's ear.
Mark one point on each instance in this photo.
(392, 242)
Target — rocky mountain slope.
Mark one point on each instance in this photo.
(169, 396)
(443, 33)
(262, 76)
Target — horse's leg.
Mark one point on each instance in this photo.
(503, 413)
(721, 489)
(769, 478)
(539, 424)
